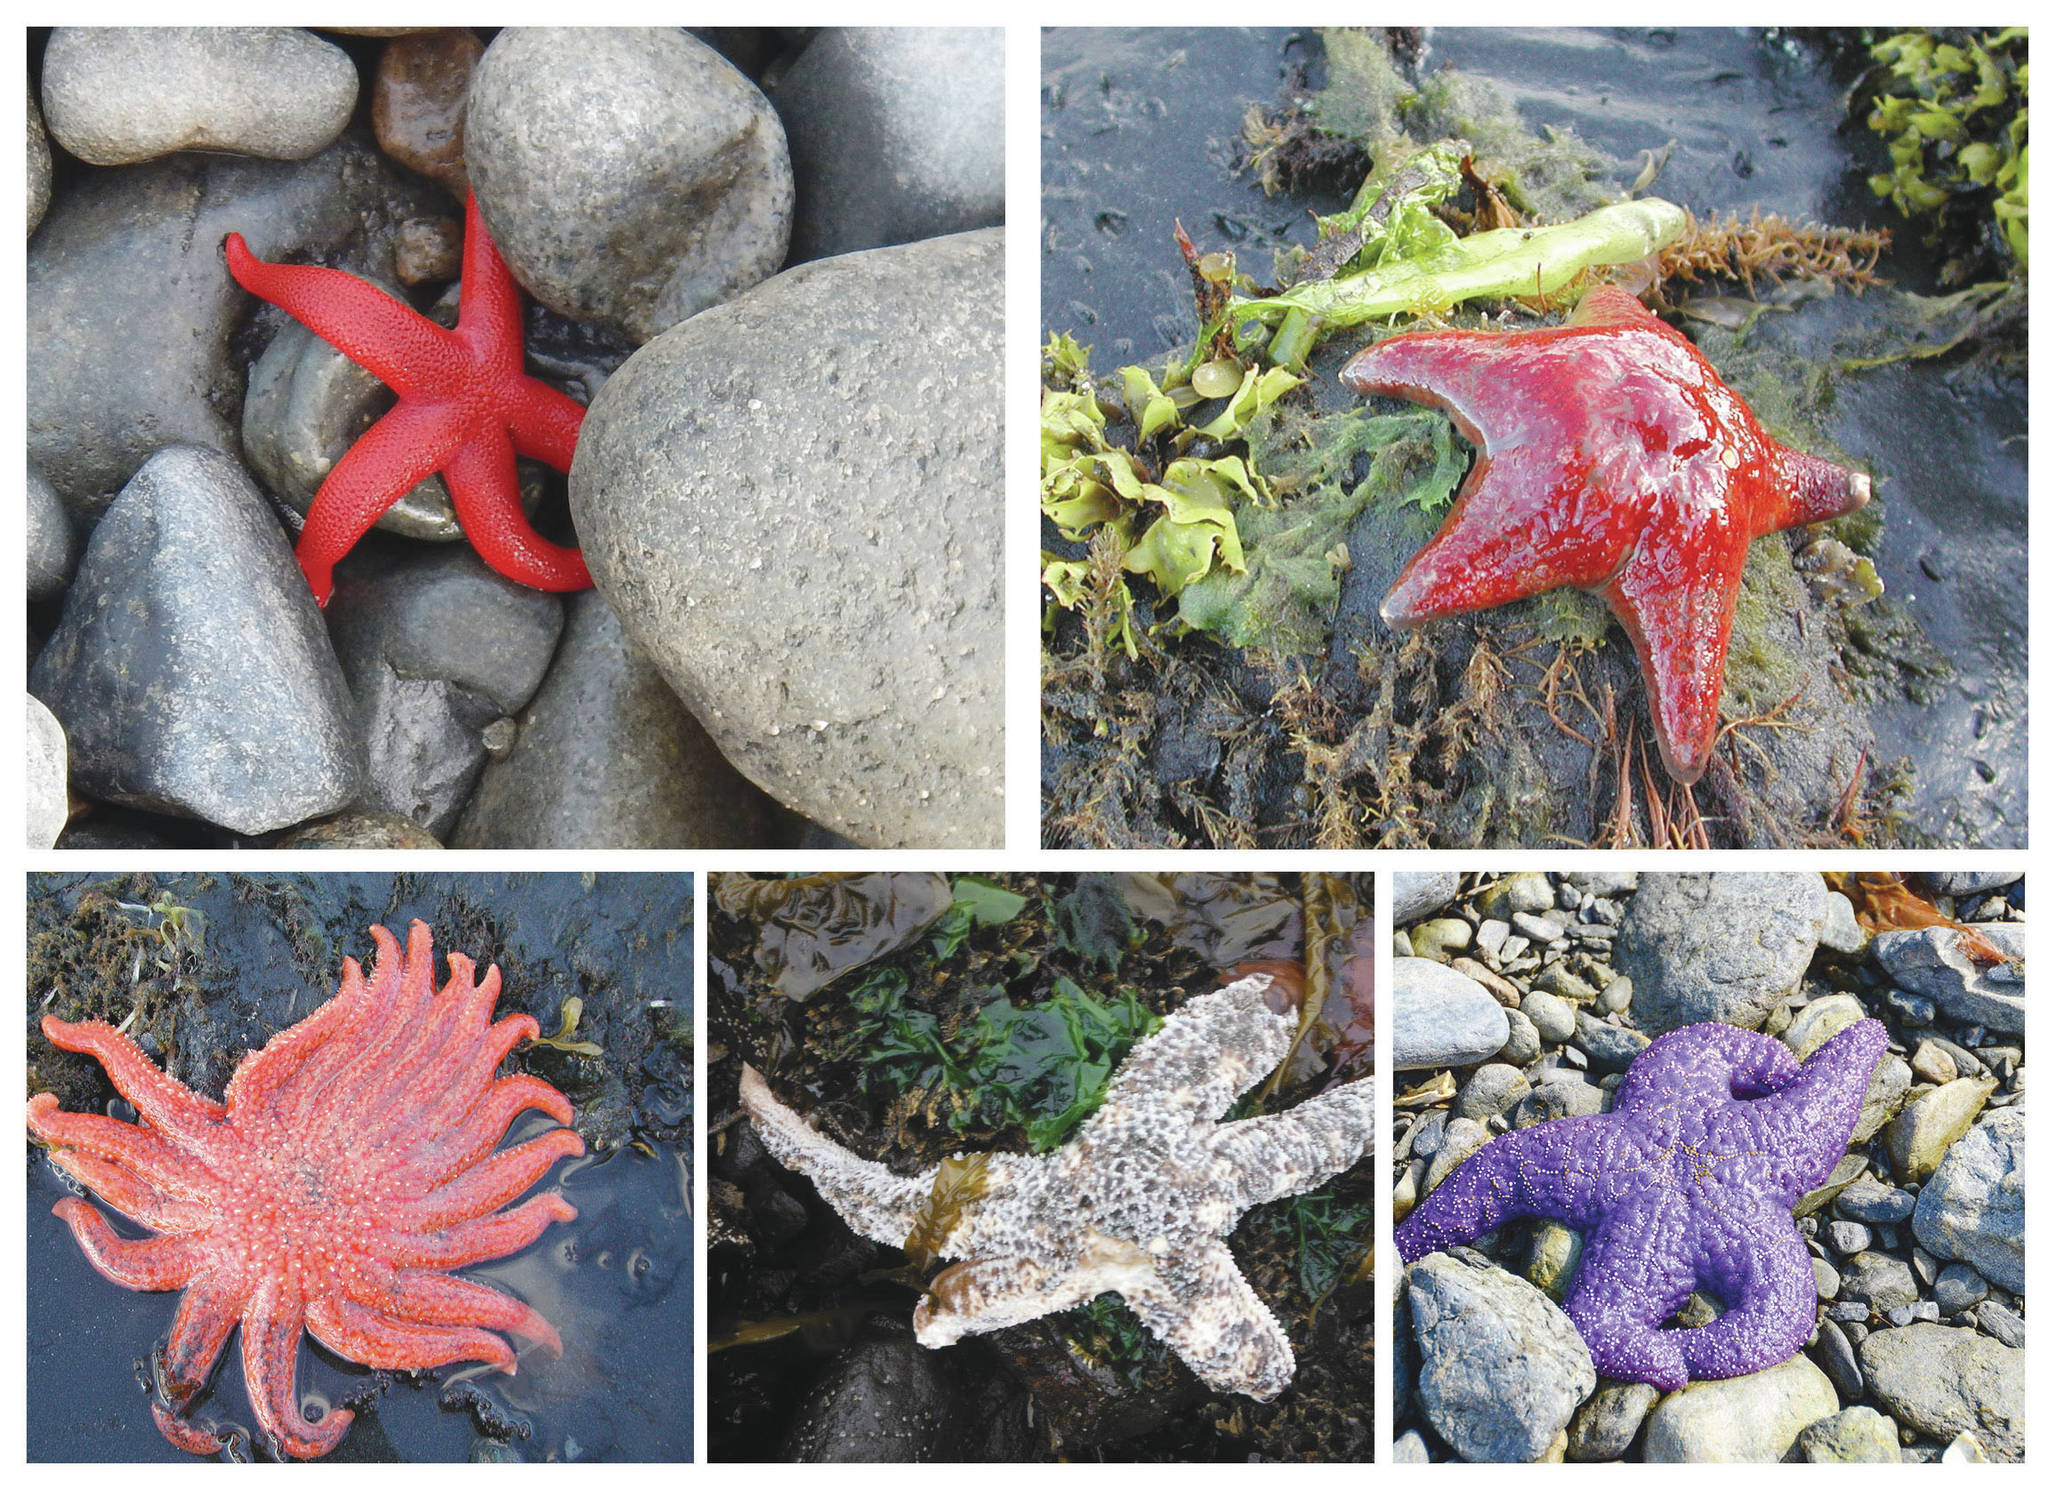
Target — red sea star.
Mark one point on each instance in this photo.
(465, 406)
(1612, 458)
(351, 1163)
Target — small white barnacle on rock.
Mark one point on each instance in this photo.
(1141, 1201)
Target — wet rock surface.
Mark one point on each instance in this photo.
(1472, 1324)
(1721, 947)
(53, 543)
(436, 650)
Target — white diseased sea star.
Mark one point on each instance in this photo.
(1141, 1201)
(349, 1166)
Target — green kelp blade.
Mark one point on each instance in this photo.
(1496, 263)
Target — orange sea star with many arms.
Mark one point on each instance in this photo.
(351, 1164)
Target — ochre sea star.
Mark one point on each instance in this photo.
(465, 406)
(1612, 458)
(1141, 1202)
(1688, 1184)
(350, 1164)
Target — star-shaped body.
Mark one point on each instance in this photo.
(351, 1164)
(1141, 1201)
(465, 406)
(1611, 458)
(1687, 1185)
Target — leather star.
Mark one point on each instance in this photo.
(1611, 458)
(1687, 1185)
(465, 406)
(1141, 1201)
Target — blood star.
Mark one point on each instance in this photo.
(351, 1162)
(465, 406)
(1688, 1184)
(1141, 1201)
(1611, 458)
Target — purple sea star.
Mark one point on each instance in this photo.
(1688, 1184)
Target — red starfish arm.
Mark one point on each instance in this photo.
(436, 1151)
(165, 1103)
(132, 1195)
(1809, 490)
(206, 1317)
(486, 1186)
(143, 1150)
(544, 424)
(490, 317)
(270, 1073)
(336, 1078)
(271, 1323)
(1762, 1273)
(410, 441)
(363, 1336)
(183, 1434)
(448, 1301)
(1676, 598)
(490, 1237)
(403, 349)
(1501, 391)
(1524, 524)
(132, 1263)
(425, 1053)
(484, 483)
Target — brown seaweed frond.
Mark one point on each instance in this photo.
(1773, 246)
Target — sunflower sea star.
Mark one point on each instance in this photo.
(1614, 459)
(350, 1164)
(1141, 1201)
(1688, 1184)
(465, 406)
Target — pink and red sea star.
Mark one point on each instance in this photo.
(350, 1165)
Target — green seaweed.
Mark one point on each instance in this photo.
(1285, 595)
(1042, 1067)
(1953, 115)
(976, 902)
(1326, 1237)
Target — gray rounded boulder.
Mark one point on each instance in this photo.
(115, 95)
(1721, 947)
(896, 133)
(630, 175)
(192, 672)
(794, 502)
